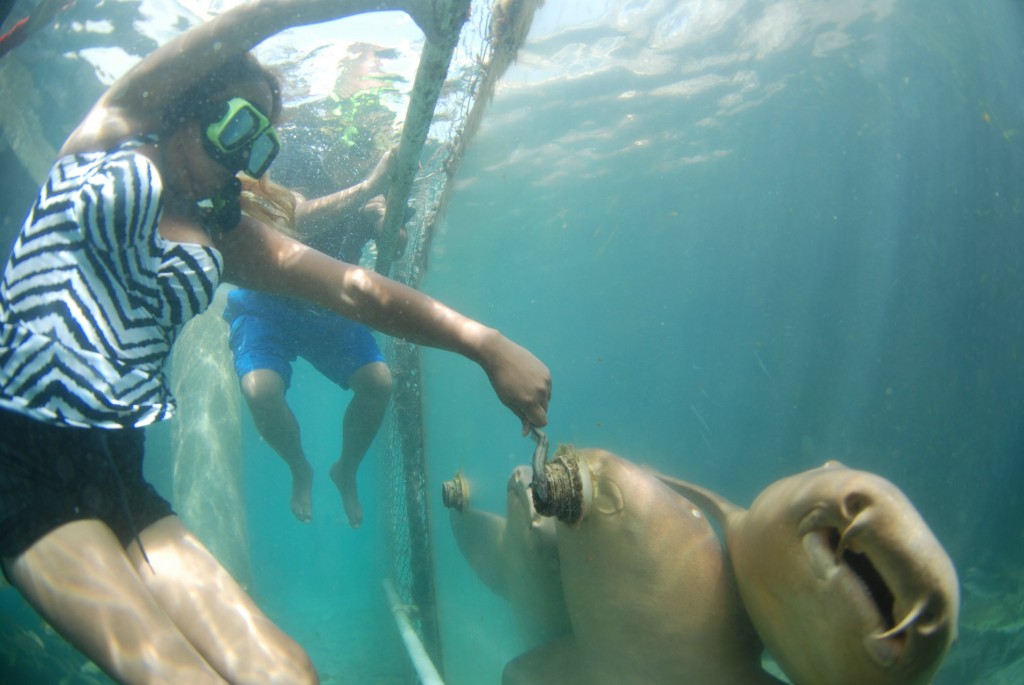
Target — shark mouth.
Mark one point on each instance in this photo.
(888, 643)
(837, 552)
(868, 575)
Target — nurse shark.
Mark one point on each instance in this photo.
(647, 586)
(515, 556)
(842, 578)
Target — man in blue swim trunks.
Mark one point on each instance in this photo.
(268, 332)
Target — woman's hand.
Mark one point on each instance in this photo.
(521, 381)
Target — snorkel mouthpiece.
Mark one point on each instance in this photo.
(223, 211)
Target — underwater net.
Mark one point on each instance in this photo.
(486, 47)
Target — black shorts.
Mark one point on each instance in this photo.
(51, 475)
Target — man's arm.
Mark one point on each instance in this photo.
(314, 217)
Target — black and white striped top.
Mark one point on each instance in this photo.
(92, 296)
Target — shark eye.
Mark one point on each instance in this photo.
(869, 576)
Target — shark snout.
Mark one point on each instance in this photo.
(520, 478)
(907, 573)
(927, 628)
(520, 495)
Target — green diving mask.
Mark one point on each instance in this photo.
(242, 139)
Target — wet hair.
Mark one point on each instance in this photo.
(205, 100)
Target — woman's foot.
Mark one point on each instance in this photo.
(346, 484)
(302, 492)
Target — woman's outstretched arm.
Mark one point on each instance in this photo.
(136, 102)
(168, 71)
(264, 259)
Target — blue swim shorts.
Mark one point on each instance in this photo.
(270, 331)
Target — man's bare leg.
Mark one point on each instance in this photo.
(372, 390)
(264, 392)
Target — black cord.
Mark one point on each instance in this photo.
(125, 509)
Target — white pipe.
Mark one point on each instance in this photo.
(425, 669)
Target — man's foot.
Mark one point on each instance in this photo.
(302, 492)
(346, 485)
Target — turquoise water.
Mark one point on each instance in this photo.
(744, 252)
(746, 237)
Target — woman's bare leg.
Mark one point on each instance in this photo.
(214, 612)
(80, 580)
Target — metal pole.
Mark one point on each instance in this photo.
(430, 76)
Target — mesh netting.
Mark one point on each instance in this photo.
(486, 47)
